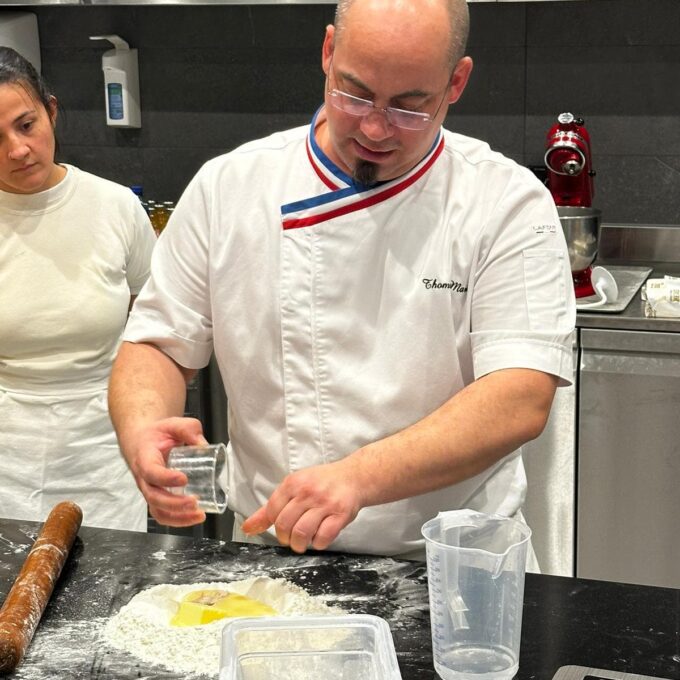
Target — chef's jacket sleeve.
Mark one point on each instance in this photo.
(173, 309)
(523, 306)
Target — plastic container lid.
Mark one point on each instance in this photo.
(353, 646)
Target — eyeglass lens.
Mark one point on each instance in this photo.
(355, 106)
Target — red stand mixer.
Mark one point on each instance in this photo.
(568, 160)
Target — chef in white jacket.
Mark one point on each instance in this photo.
(389, 304)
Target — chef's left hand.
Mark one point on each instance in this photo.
(310, 507)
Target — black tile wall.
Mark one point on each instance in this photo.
(213, 77)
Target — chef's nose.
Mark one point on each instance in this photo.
(376, 126)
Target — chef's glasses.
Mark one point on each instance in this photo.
(401, 118)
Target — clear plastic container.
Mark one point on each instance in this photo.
(348, 647)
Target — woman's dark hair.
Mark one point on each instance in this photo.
(16, 69)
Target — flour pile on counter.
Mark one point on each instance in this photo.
(143, 626)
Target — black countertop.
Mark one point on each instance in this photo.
(620, 627)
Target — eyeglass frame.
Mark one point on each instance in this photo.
(388, 111)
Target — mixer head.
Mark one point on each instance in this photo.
(569, 162)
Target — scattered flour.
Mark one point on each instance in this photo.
(14, 547)
(142, 627)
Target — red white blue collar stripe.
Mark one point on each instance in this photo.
(345, 195)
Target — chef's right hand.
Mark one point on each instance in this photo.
(148, 464)
(311, 506)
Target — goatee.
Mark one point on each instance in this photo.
(365, 173)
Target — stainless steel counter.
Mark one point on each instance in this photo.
(633, 316)
(635, 245)
(617, 413)
(628, 470)
(629, 376)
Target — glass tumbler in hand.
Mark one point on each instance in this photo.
(206, 468)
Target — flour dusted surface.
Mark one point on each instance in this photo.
(142, 627)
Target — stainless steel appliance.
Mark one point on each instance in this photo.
(629, 457)
(629, 433)
(611, 450)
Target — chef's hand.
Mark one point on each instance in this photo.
(148, 465)
(310, 507)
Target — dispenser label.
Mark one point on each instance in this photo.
(115, 91)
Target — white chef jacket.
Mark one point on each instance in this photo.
(340, 314)
(70, 257)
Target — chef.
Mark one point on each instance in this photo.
(389, 305)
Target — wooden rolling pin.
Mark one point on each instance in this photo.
(28, 597)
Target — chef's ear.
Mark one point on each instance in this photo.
(459, 79)
(327, 49)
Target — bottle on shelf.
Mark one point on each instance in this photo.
(160, 215)
(138, 190)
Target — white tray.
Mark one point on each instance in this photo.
(628, 279)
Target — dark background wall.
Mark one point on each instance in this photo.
(213, 77)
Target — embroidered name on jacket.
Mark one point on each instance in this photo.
(455, 286)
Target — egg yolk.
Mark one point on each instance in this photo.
(203, 606)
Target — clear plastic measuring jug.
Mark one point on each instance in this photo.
(475, 570)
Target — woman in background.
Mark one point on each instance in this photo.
(74, 251)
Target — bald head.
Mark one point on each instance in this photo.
(456, 13)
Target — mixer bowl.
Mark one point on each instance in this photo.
(581, 227)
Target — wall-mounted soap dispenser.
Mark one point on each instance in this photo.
(121, 83)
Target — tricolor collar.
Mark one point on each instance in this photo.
(345, 194)
(329, 173)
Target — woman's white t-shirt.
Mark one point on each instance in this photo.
(70, 258)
